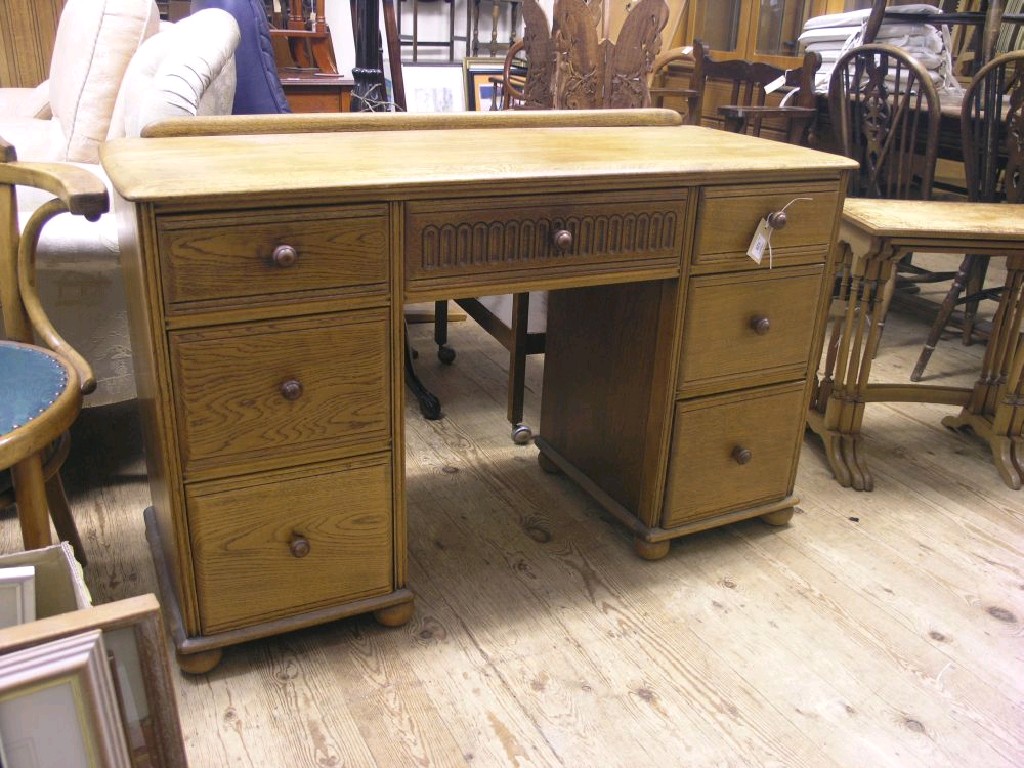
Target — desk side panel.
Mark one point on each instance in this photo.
(135, 235)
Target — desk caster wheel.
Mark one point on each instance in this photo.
(446, 354)
(198, 663)
(521, 434)
(650, 550)
(548, 465)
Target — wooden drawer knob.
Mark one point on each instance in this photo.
(563, 239)
(777, 220)
(284, 256)
(299, 546)
(741, 455)
(291, 389)
(760, 324)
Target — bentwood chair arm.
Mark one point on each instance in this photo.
(77, 191)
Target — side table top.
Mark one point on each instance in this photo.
(936, 219)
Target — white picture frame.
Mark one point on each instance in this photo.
(434, 87)
(62, 687)
(17, 595)
(136, 647)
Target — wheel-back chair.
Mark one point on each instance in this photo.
(992, 130)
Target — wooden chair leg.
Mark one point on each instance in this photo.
(444, 353)
(60, 512)
(30, 496)
(517, 366)
(942, 318)
(975, 290)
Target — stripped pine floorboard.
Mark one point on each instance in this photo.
(881, 629)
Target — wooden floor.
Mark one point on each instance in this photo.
(882, 629)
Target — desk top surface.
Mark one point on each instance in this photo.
(996, 222)
(412, 163)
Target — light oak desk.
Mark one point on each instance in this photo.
(266, 278)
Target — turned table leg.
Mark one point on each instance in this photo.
(837, 412)
(996, 409)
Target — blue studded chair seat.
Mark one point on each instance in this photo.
(31, 380)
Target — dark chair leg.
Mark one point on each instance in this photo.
(975, 292)
(942, 318)
(521, 433)
(444, 353)
(430, 406)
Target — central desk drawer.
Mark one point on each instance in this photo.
(291, 542)
(268, 390)
(519, 234)
(255, 256)
(746, 324)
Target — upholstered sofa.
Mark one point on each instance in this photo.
(116, 67)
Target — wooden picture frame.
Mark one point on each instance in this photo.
(434, 87)
(17, 595)
(58, 706)
(480, 90)
(133, 633)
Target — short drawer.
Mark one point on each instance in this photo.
(291, 542)
(273, 254)
(269, 390)
(733, 451)
(514, 235)
(748, 324)
(728, 217)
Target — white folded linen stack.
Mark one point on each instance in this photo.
(835, 33)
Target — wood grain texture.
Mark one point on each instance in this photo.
(469, 163)
(880, 629)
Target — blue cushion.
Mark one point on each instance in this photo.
(259, 90)
(30, 380)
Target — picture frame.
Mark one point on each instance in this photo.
(434, 87)
(136, 643)
(480, 90)
(60, 687)
(17, 595)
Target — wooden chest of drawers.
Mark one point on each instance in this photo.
(266, 278)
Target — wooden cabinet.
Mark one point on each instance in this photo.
(266, 278)
(754, 29)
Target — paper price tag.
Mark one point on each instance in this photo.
(775, 84)
(759, 241)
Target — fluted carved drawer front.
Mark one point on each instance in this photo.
(291, 542)
(747, 328)
(282, 255)
(267, 391)
(733, 451)
(728, 218)
(514, 235)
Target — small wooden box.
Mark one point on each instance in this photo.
(60, 585)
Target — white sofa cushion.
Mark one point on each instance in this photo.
(187, 69)
(95, 41)
(26, 102)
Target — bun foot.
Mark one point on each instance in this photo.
(199, 663)
(781, 517)
(548, 465)
(650, 550)
(394, 615)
